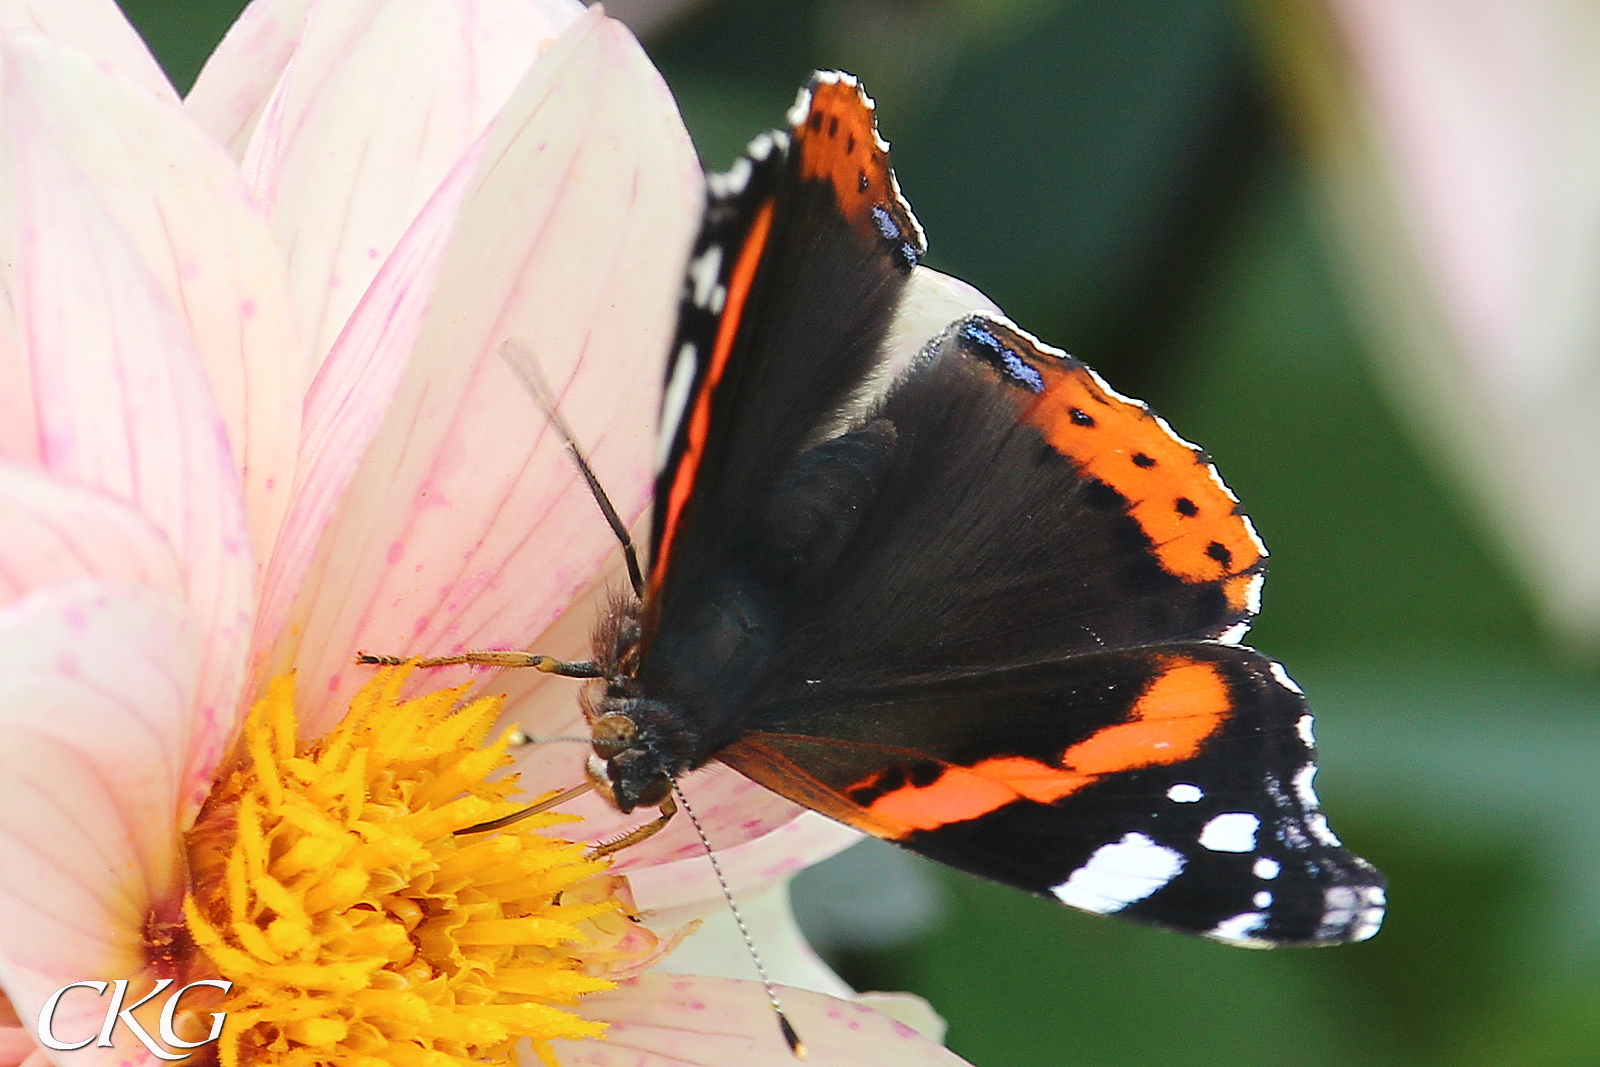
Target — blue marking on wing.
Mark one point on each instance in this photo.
(1003, 357)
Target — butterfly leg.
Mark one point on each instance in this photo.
(669, 808)
(517, 816)
(492, 658)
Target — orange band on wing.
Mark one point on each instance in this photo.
(1172, 491)
(699, 422)
(1172, 718)
(962, 793)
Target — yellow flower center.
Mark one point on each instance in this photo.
(329, 885)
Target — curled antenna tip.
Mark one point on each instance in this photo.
(791, 1038)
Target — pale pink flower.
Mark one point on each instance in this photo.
(253, 418)
(1458, 142)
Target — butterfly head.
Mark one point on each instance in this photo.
(626, 767)
(639, 740)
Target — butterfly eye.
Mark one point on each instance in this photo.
(614, 735)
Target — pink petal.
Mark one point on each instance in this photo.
(231, 93)
(123, 404)
(467, 525)
(377, 105)
(1469, 96)
(188, 219)
(97, 683)
(351, 394)
(661, 1020)
(15, 1046)
(53, 531)
(809, 839)
(19, 428)
(96, 27)
(717, 946)
(1461, 159)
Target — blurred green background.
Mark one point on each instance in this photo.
(1119, 177)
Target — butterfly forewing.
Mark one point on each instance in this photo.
(792, 285)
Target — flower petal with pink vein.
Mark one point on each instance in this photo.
(123, 404)
(95, 26)
(52, 531)
(467, 525)
(379, 102)
(231, 93)
(716, 947)
(809, 839)
(184, 210)
(351, 395)
(97, 683)
(663, 1020)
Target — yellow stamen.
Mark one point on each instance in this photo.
(328, 885)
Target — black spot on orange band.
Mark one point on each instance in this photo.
(1135, 462)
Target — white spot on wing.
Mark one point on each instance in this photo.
(719, 297)
(1234, 634)
(1351, 913)
(703, 272)
(1252, 589)
(1284, 680)
(1302, 727)
(1316, 822)
(761, 146)
(1233, 831)
(802, 106)
(1249, 527)
(1119, 874)
(1304, 789)
(731, 182)
(1267, 868)
(894, 187)
(1262, 899)
(673, 401)
(1238, 930)
(1184, 793)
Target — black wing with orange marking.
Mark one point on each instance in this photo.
(1168, 785)
(792, 283)
(992, 615)
(1021, 511)
(1022, 659)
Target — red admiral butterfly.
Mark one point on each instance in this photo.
(990, 611)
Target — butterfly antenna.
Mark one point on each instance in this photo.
(790, 1037)
(525, 365)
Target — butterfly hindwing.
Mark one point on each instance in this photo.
(1171, 785)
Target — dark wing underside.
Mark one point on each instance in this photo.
(1169, 785)
(992, 616)
(1025, 513)
(793, 282)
